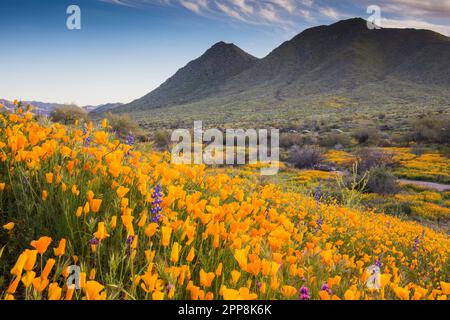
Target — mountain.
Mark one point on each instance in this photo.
(102, 107)
(199, 78)
(43, 108)
(346, 55)
(345, 59)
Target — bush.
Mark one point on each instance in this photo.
(432, 130)
(367, 136)
(122, 125)
(333, 139)
(370, 158)
(162, 139)
(382, 181)
(288, 140)
(68, 114)
(306, 157)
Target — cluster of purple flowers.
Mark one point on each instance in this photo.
(156, 204)
(378, 263)
(318, 194)
(130, 139)
(319, 223)
(130, 240)
(87, 140)
(416, 244)
(326, 288)
(304, 293)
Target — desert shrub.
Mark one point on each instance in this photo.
(382, 181)
(288, 140)
(333, 139)
(370, 158)
(418, 150)
(68, 114)
(306, 156)
(161, 139)
(368, 136)
(122, 125)
(432, 130)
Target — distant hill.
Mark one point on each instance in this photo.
(45, 108)
(345, 59)
(102, 107)
(199, 79)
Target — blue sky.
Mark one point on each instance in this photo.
(126, 48)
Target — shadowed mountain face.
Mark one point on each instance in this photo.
(199, 78)
(345, 57)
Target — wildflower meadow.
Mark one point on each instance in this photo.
(137, 227)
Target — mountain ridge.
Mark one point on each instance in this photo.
(200, 77)
(345, 57)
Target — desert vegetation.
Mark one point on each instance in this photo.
(139, 227)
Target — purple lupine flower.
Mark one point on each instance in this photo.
(169, 287)
(319, 223)
(156, 204)
(258, 285)
(304, 293)
(416, 244)
(155, 218)
(378, 263)
(326, 288)
(318, 194)
(130, 240)
(94, 241)
(130, 139)
(87, 140)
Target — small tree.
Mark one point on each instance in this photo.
(382, 181)
(306, 157)
(369, 158)
(432, 130)
(68, 114)
(162, 139)
(122, 125)
(367, 136)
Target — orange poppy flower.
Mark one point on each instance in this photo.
(42, 244)
(61, 249)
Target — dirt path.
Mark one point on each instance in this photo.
(431, 185)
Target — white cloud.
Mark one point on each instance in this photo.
(412, 8)
(329, 13)
(195, 6)
(288, 5)
(415, 24)
(294, 15)
(243, 6)
(269, 13)
(230, 11)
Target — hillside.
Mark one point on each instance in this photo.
(199, 78)
(346, 59)
(43, 108)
